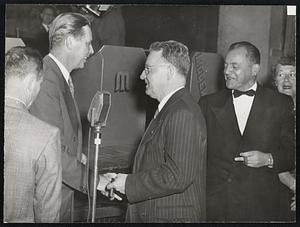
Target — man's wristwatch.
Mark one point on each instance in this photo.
(270, 161)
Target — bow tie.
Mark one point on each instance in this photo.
(237, 93)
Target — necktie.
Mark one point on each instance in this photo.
(156, 113)
(71, 86)
(237, 93)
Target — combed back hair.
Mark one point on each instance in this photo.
(174, 52)
(253, 53)
(21, 61)
(66, 24)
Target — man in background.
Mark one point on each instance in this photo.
(40, 31)
(70, 45)
(250, 140)
(169, 170)
(32, 151)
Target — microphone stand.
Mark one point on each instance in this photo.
(97, 142)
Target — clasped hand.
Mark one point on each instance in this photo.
(112, 181)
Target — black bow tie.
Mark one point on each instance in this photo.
(237, 93)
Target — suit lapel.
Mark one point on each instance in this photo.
(225, 114)
(154, 125)
(67, 96)
(257, 112)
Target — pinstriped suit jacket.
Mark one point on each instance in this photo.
(32, 167)
(168, 180)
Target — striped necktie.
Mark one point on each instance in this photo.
(71, 86)
(156, 113)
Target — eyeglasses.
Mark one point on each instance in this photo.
(147, 68)
(291, 75)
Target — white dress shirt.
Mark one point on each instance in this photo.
(242, 107)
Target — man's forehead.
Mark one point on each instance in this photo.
(236, 55)
(48, 11)
(154, 56)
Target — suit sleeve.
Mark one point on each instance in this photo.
(180, 164)
(47, 200)
(284, 157)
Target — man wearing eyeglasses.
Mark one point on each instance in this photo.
(168, 179)
(250, 140)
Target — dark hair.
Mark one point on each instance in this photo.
(174, 52)
(66, 24)
(253, 53)
(286, 61)
(21, 61)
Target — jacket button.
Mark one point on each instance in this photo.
(229, 179)
(74, 138)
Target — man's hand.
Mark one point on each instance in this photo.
(104, 179)
(118, 183)
(253, 158)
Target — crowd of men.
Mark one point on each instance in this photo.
(218, 160)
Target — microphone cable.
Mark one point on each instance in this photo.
(88, 169)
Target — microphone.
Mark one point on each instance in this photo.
(99, 108)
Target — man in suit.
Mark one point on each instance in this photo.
(40, 31)
(168, 179)
(70, 45)
(249, 134)
(32, 152)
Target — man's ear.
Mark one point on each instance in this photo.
(29, 81)
(255, 69)
(171, 71)
(69, 42)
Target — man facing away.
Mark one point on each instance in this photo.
(70, 45)
(250, 140)
(168, 179)
(32, 150)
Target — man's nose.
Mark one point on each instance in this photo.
(91, 50)
(226, 70)
(143, 75)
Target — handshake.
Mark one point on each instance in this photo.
(112, 184)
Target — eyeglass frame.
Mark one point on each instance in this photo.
(147, 68)
(282, 75)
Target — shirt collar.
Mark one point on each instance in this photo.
(62, 68)
(45, 26)
(253, 87)
(166, 98)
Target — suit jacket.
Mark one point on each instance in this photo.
(56, 106)
(32, 167)
(168, 180)
(236, 192)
